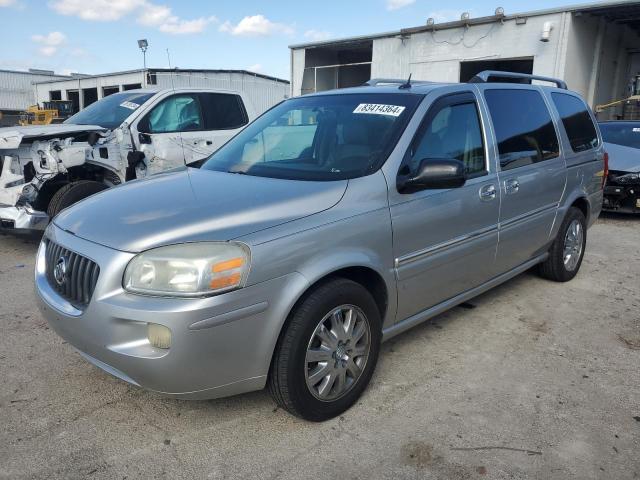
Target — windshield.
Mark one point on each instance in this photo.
(327, 137)
(621, 133)
(111, 111)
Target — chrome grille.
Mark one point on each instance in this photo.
(78, 280)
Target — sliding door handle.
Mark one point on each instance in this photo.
(511, 186)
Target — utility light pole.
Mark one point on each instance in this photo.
(143, 44)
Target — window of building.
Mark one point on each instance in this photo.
(523, 126)
(106, 91)
(55, 95)
(577, 122)
(131, 86)
(452, 130)
(222, 111)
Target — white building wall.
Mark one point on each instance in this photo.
(17, 89)
(262, 92)
(436, 56)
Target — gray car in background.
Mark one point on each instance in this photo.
(331, 223)
(622, 143)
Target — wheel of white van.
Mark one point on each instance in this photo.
(71, 193)
(328, 351)
(567, 250)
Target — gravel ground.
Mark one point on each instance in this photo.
(531, 380)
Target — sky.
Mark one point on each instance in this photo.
(100, 36)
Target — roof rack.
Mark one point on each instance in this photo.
(484, 77)
(374, 82)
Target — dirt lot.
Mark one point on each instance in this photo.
(531, 380)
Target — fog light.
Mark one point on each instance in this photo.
(159, 336)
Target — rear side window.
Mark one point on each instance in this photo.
(523, 126)
(222, 111)
(577, 122)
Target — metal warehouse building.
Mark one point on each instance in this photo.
(594, 47)
(263, 90)
(17, 91)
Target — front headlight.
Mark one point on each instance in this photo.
(188, 269)
(628, 178)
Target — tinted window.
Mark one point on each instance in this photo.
(222, 111)
(577, 122)
(452, 131)
(324, 137)
(178, 113)
(111, 111)
(523, 127)
(621, 133)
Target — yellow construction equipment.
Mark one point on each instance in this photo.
(632, 98)
(55, 111)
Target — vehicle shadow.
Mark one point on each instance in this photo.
(615, 216)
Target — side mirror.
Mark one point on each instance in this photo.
(434, 173)
(144, 138)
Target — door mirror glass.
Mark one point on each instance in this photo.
(434, 173)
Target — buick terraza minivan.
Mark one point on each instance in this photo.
(331, 223)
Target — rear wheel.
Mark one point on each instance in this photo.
(328, 351)
(71, 193)
(567, 250)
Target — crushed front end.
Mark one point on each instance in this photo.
(35, 165)
(622, 192)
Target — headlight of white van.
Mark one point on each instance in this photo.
(188, 269)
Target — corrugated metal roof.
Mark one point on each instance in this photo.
(612, 10)
(179, 70)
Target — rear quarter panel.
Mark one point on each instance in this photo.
(585, 170)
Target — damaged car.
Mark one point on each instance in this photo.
(622, 143)
(125, 136)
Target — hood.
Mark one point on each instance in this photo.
(11, 137)
(623, 159)
(194, 205)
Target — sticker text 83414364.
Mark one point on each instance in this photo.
(379, 109)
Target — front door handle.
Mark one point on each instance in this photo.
(511, 186)
(488, 193)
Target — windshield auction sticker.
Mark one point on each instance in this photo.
(129, 105)
(379, 109)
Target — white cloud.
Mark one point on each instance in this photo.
(49, 43)
(7, 3)
(149, 14)
(441, 16)
(255, 68)
(397, 4)
(317, 35)
(96, 10)
(256, 26)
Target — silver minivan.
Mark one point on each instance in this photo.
(331, 223)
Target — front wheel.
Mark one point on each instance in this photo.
(567, 250)
(328, 351)
(71, 193)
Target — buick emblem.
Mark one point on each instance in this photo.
(60, 271)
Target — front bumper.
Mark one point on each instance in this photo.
(622, 198)
(220, 345)
(22, 219)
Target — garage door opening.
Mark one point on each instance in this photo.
(89, 96)
(332, 67)
(520, 65)
(74, 98)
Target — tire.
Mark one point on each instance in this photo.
(291, 377)
(555, 267)
(71, 193)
